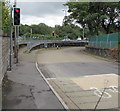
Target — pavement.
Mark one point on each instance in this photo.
(24, 87)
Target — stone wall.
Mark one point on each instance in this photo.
(5, 54)
(4, 58)
(0, 57)
(105, 52)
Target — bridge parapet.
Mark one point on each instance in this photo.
(32, 44)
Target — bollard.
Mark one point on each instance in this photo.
(57, 47)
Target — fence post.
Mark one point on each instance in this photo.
(100, 43)
(96, 41)
(110, 44)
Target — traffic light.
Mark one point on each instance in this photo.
(53, 33)
(16, 16)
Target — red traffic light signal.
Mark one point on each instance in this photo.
(17, 10)
(16, 16)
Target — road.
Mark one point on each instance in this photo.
(80, 78)
(71, 62)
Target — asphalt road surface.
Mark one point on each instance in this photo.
(80, 78)
(72, 62)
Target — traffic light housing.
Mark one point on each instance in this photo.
(53, 33)
(16, 16)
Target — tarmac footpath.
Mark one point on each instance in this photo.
(24, 87)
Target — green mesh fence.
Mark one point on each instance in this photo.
(105, 41)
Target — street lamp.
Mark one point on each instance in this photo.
(65, 12)
(31, 33)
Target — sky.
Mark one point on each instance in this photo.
(50, 13)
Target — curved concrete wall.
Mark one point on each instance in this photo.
(61, 44)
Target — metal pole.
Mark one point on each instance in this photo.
(10, 63)
(107, 40)
(15, 45)
(83, 32)
(65, 12)
(54, 39)
(31, 33)
(15, 3)
(15, 42)
(17, 38)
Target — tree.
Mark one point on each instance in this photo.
(24, 29)
(98, 17)
(5, 17)
(41, 28)
(69, 30)
(110, 14)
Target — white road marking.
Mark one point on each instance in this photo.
(98, 92)
(59, 98)
(50, 78)
(114, 89)
(112, 74)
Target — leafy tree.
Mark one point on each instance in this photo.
(24, 29)
(41, 28)
(5, 17)
(98, 17)
(109, 16)
(43, 31)
(69, 30)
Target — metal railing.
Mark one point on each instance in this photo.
(103, 44)
(105, 41)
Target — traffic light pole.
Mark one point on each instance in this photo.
(15, 46)
(11, 46)
(54, 40)
(15, 40)
(17, 37)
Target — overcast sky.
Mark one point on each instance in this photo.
(50, 13)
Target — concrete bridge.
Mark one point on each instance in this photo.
(37, 44)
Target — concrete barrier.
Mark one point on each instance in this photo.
(56, 44)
